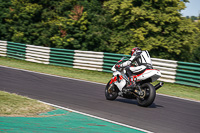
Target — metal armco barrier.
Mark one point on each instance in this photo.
(37, 54)
(16, 50)
(61, 57)
(167, 68)
(110, 59)
(3, 48)
(172, 71)
(88, 60)
(188, 74)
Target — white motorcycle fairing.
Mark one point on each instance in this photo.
(149, 73)
(121, 83)
(154, 74)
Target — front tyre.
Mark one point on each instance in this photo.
(148, 96)
(111, 91)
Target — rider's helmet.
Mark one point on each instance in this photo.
(135, 50)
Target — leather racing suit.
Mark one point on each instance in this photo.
(136, 64)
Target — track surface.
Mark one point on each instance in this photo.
(166, 115)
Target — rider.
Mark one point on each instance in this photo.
(130, 69)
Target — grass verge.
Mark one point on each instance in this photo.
(15, 105)
(101, 77)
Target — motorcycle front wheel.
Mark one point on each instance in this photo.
(148, 96)
(111, 92)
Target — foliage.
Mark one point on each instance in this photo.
(196, 55)
(4, 10)
(102, 25)
(99, 29)
(193, 18)
(153, 25)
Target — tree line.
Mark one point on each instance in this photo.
(103, 25)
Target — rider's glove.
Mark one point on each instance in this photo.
(117, 66)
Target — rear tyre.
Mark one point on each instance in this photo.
(111, 91)
(149, 95)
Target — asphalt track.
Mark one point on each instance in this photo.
(166, 115)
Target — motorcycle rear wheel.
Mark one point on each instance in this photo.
(149, 95)
(111, 92)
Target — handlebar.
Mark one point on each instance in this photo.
(120, 69)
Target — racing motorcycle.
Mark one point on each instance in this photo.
(144, 91)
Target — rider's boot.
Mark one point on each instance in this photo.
(131, 84)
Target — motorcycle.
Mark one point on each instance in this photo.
(144, 92)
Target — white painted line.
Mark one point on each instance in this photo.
(93, 82)
(96, 117)
(68, 109)
(178, 98)
(52, 75)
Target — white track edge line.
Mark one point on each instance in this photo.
(94, 83)
(96, 117)
(178, 98)
(52, 75)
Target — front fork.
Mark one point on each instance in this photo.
(110, 88)
(126, 78)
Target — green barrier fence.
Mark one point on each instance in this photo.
(110, 59)
(16, 50)
(179, 72)
(188, 74)
(61, 57)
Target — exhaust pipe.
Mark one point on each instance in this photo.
(159, 85)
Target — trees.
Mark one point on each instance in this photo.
(33, 21)
(72, 24)
(99, 29)
(154, 25)
(101, 25)
(4, 10)
(196, 52)
(84, 27)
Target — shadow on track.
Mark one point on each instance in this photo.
(131, 101)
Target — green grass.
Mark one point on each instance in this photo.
(182, 91)
(101, 77)
(15, 105)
